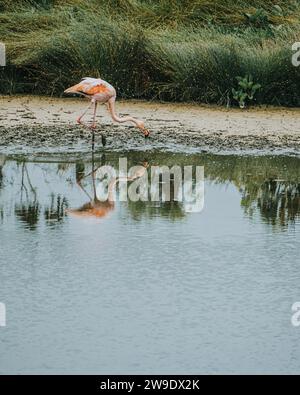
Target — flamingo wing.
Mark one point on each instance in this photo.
(89, 86)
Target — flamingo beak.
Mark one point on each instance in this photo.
(146, 133)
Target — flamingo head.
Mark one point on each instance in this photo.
(141, 126)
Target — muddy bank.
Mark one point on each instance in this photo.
(32, 124)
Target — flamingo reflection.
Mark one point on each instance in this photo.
(97, 207)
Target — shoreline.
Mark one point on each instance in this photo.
(30, 124)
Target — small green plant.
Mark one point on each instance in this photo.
(246, 90)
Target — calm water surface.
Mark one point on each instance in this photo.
(150, 288)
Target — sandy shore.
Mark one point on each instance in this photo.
(43, 124)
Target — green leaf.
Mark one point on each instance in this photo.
(256, 86)
(243, 84)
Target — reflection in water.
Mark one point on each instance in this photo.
(57, 209)
(268, 186)
(104, 295)
(2, 163)
(28, 208)
(94, 207)
(277, 201)
(172, 209)
(27, 211)
(97, 205)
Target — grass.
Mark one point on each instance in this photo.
(165, 49)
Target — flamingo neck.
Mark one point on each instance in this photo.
(115, 117)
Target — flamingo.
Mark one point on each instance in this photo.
(100, 91)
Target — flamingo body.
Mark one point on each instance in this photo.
(95, 88)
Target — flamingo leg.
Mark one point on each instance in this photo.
(93, 126)
(84, 112)
(94, 116)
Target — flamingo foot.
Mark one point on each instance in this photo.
(78, 120)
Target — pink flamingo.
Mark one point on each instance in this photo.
(100, 91)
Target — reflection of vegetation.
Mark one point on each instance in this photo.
(79, 170)
(277, 201)
(270, 186)
(28, 209)
(2, 163)
(24, 187)
(57, 209)
(28, 214)
(171, 210)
